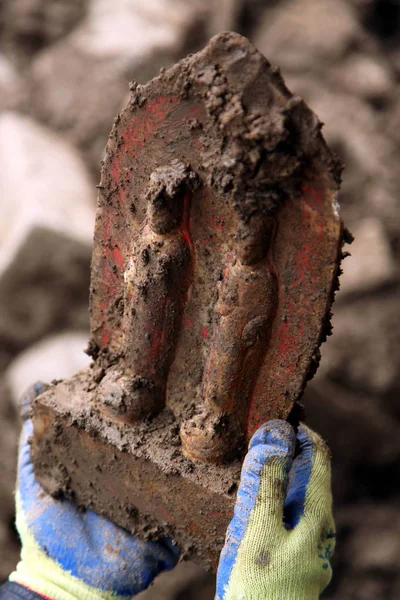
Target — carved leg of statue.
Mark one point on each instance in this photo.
(217, 433)
(127, 398)
(155, 289)
(133, 394)
(152, 322)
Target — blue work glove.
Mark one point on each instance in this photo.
(68, 554)
(280, 540)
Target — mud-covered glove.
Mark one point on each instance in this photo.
(68, 554)
(280, 540)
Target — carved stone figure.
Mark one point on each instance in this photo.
(245, 308)
(156, 283)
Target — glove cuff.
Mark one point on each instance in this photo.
(41, 574)
(49, 581)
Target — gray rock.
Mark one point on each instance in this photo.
(365, 76)
(31, 24)
(367, 552)
(371, 263)
(353, 424)
(187, 580)
(9, 430)
(55, 357)
(80, 83)
(294, 34)
(364, 350)
(13, 92)
(46, 234)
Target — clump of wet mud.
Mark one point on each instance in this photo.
(259, 157)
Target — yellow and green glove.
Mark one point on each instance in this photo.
(69, 554)
(280, 540)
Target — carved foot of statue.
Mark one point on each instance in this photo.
(128, 398)
(210, 438)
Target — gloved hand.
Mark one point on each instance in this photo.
(68, 554)
(280, 540)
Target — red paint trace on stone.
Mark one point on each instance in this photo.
(287, 330)
(186, 323)
(204, 332)
(117, 256)
(132, 140)
(185, 222)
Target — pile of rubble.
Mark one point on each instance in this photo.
(64, 73)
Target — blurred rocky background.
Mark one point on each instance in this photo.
(65, 66)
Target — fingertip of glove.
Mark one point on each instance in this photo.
(276, 434)
(312, 440)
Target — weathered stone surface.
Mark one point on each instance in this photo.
(371, 363)
(366, 196)
(367, 567)
(46, 232)
(371, 263)
(349, 86)
(138, 476)
(31, 24)
(115, 43)
(54, 357)
(187, 580)
(13, 92)
(9, 423)
(293, 37)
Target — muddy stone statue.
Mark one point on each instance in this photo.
(170, 323)
(156, 284)
(245, 310)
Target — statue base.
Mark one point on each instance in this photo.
(134, 475)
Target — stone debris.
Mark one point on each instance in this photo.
(116, 42)
(12, 89)
(343, 57)
(368, 77)
(55, 357)
(364, 352)
(371, 262)
(187, 580)
(29, 25)
(9, 423)
(305, 29)
(46, 231)
(369, 534)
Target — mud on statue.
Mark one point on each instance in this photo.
(156, 284)
(245, 311)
